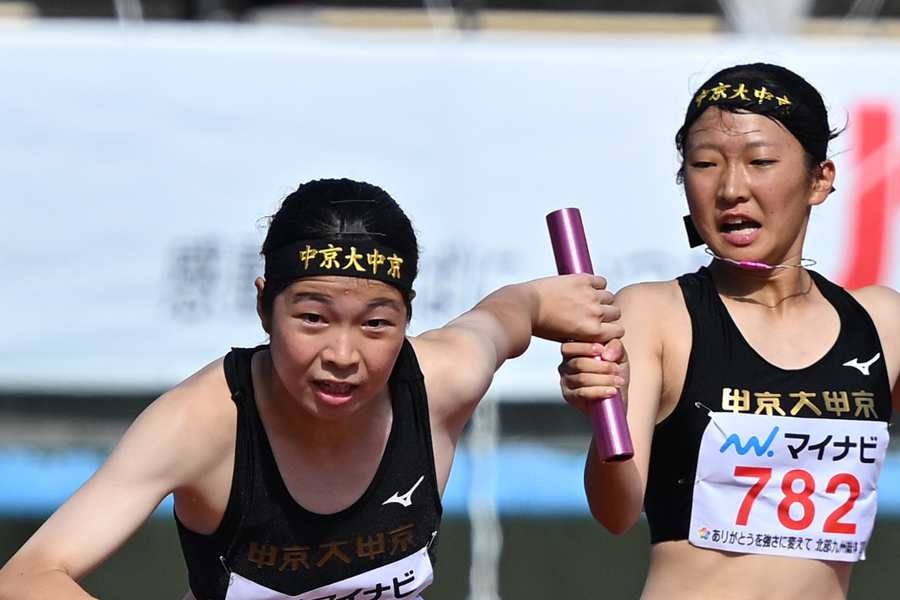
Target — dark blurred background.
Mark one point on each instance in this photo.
(242, 9)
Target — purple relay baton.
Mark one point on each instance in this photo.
(572, 256)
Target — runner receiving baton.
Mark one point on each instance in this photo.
(759, 391)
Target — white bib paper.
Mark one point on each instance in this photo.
(404, 579)
(786, 486)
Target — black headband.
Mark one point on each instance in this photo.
(743, 92)
(792, 108)
(347, 258)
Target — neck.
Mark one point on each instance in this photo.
(749, 264)
(774, 287)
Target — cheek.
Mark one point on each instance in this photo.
(380, 358)
(291, 351)
(699, 191)
(699, 204)
(787, 196)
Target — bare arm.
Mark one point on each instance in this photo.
(650, 316)
(155, 457)
(459, 359)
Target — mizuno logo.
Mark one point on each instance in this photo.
(753, 442)
(863, 367)
(404, 499)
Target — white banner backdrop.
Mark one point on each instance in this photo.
(137, 165)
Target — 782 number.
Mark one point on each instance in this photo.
(801, 497)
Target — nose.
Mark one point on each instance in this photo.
(733, 186)
(341, 351)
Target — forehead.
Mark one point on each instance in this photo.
(716, 126)
(338, 288)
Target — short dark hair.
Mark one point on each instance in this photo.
(340, 209)
(778, 93)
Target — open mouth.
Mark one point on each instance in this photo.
(739, 226)
(335, 388)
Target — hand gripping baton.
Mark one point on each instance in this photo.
(572, 256)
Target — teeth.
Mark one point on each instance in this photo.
(739, 225)
(337, 388)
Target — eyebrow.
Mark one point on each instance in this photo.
(753, 144)
(327, 300)
(310, 296)
(384, 302)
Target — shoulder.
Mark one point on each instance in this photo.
(446, 356)
(652, 306)
(883, 305)
(203, 394)
(658, 332)
(195, 421)
(181, 438)
(877, 297)
(651, 293)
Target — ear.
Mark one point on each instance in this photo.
(264, 317)
(823, 183)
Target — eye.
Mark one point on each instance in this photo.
(762, 162)
(311, 318)
(702, 164)
(377, 323)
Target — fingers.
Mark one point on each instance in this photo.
(608, 332)
(614, 351)
(581, 390)
(584, 379)
(573, 349)
(591, 370)
(597, 316)
(601, 326)
(597, 285)
(597, 282)
(605, 334)
(576, 307)
(596, 330)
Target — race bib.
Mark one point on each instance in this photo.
(787, 486)
(404, 579)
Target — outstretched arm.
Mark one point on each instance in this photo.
(459, 359)
(157, 455)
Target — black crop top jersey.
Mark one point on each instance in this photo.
(267, 537)
(722, 364)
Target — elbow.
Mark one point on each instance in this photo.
(616, 524)
(18, 581)
(617, 527)
(616, 504)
